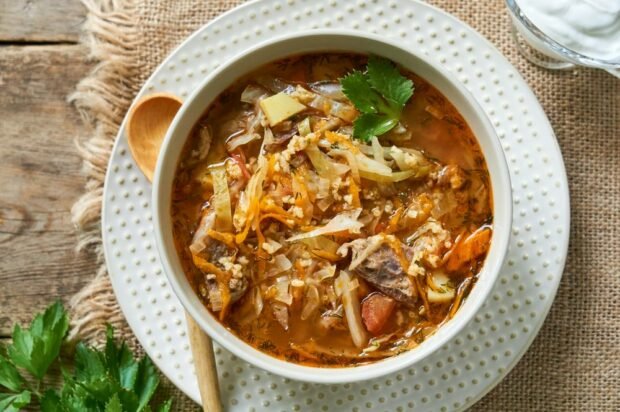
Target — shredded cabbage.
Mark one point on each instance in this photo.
(345, 221)
(324, 165)
(350, 301)
(221, 199)
(391, 178)
(377, 150)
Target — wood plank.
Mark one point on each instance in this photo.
(40, 178)
(41, 20)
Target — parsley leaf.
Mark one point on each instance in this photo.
(108, 380)
(368, 125)
(385, 77)
(35, 348)
(356, 87)
(9, 376)
(14, 402)
(380, 94)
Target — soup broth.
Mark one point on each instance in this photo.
(315, 246)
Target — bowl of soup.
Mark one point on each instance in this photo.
(331, 207)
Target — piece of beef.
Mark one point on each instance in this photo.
(382, 269)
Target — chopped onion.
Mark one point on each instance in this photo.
(345, 221)
(311, 302)
(275, 85)
(280, 265)
(324, 165)
(324, 203)
(280, 312)
(332, 107)
(221, 199)
(200, 236)
(328, 271)
(258, 301)
(241, 139)
(253, 93)
(283, 293)
(351, 304)
(333, 90)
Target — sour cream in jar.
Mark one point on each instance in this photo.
(589, 27)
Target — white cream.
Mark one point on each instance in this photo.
(589, 27)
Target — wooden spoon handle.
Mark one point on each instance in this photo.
(204, 362)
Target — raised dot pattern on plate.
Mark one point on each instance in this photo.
(473, 362)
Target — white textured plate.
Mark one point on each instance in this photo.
(473, 362)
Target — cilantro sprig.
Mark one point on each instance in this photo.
(380, 94)
(107, 380)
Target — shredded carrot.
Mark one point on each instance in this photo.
(226, 238)
(463, 287)
(469, 248)
(354, 191)
(286, 220)
(272, 208)
(252, 214)
(271, 163)
(225, 291)
(208, 267)
(422, 294)
(397, 247)
(394, 220)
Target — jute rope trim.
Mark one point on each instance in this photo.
(101, 99)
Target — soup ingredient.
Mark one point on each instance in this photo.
(110, 379)
(344, 222)
(221, 199)
(280, 107)
(380, 94)
(376, 310)
(347, 288)
(384, 269)
(440, 290)
(589, 27)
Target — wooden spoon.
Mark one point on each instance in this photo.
(148, 122)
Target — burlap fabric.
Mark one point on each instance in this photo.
(574, 363)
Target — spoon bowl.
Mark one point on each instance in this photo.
(148, 122)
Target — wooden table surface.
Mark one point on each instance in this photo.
(40, 169)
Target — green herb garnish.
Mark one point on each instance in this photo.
(380, 94)
(106, 380)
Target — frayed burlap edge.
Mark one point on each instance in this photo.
(101, 99)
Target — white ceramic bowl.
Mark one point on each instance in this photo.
(317, 41)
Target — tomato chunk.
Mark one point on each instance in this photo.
(376, 310)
